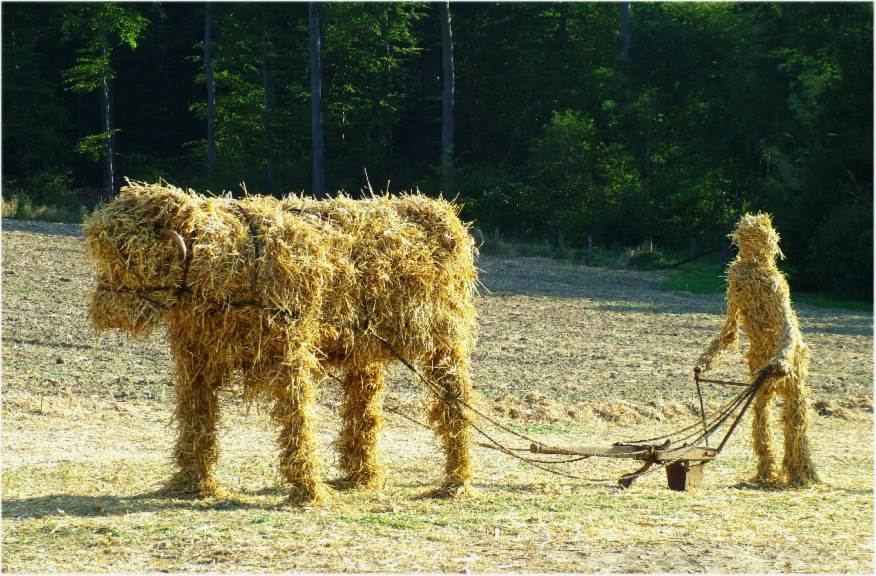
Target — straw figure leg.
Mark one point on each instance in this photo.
(450, 371)
(293, 411)
(797, 462)
(197, 417)
(764, 442)
(361, 415)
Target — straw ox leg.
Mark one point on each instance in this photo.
(361, 414)
(293, 411)
(451, 371)
(197, 416)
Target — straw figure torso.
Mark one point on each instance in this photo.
(758, 297)
(281, 292)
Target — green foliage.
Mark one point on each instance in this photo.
(493, 197)
(563, 162)
(97, 28)
(842, 249)
(36, 119)
(52, 186)
(92, 146)
(653, 260)
(697, 278)
(21, 207)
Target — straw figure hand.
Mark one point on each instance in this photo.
(759, 299)
(273, 295)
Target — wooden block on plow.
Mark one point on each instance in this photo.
(684, 475)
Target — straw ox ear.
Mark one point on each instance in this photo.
(174, 235)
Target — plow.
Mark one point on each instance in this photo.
(683, 453)
(683, 463)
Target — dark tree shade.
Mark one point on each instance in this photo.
(211, 92)
(266, 87)
(316, 99)
(447, 98)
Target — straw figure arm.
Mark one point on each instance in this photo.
(727, 338)
(790, 342)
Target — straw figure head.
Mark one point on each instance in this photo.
(278, 293)
(756, 238)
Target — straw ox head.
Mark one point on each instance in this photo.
(139, 257)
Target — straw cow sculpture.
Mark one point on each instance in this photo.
(758, 298)
(277, 293)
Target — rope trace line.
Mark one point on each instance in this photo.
(457, 404)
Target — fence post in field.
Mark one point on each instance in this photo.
(589, 243)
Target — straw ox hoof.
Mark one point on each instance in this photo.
(280, 293)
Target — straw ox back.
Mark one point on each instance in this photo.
(279, 292)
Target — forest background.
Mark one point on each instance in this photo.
(611, 123)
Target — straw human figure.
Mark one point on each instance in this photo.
(275, 294)
(759, 299)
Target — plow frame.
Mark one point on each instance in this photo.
(684, 464)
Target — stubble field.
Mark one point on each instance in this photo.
(571, 354)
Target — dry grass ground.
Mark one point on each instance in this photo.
(573, 355)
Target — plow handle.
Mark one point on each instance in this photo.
(761, 378)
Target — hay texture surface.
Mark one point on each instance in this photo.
(758, 298)
(279, 291)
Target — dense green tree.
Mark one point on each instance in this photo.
(37, 126)
(98, 29)
(368, 52)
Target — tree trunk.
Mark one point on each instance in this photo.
(625, 33)
(211, 92)
(107, 124)
(316, 100)
(447, 116)
(266, 85)
(624, 55)
(386, 125)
